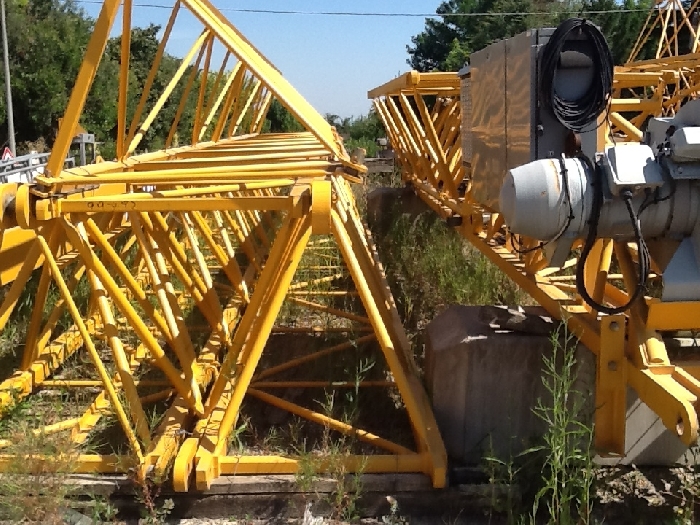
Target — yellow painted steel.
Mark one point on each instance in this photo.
(164, 277)
(660, 85)
(426, 137)
(611, 387)
(669, 19)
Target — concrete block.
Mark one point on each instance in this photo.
(484, 383)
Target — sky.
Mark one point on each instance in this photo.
(331, 60)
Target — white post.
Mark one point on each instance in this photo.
(8, 88)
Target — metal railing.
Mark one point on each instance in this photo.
(23, 169)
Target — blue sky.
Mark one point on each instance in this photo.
(331, 60)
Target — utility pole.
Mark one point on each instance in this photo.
(8, 88)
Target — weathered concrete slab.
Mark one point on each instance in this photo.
(279, 497)
(485, 382)
(443, 504)
(284, 484)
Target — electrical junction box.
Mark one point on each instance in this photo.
(507, 125)
(631, 166)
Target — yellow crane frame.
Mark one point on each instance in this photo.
(219, 226)
(629, 347)
(657, 86)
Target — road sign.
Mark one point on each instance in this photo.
(7, 155)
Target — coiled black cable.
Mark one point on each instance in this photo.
(577, 114)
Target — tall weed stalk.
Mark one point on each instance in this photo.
(567, 473)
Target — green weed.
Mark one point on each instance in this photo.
(557, 475)
(567, 472)
(35, 486)
(332, 454)
(430, 267)
(689, 490)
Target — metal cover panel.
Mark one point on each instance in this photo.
(551, 138)
(521, 89)
(682, 275)
(488, 123)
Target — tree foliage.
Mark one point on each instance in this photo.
(47, 42)
(359, 132)
(280, 120)
(446, 42)
(46, 46)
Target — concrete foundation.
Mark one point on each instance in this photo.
(279, 499)
(484, 383)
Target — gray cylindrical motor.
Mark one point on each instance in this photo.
(638, 192)
(553, 198)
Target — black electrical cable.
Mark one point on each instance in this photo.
(655, 197)
(644, 257)
(577, 114)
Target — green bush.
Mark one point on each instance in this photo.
(430, 267)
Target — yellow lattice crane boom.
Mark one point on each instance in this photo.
(163, 275)
(457, 150)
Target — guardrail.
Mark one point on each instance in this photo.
(23, 169)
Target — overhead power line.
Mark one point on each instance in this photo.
(390, 15)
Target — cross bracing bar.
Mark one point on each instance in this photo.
(159, 282)
(671, 29)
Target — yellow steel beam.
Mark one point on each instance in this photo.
(272, 78)
(68, 464)
(257, 465)
(15, 245)
(86, 75)
(434, 83)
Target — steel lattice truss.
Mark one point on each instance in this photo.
(123, 255)
(658, 86)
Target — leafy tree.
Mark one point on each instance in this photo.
(46, 40)
(143, 48)
(446, 42)
(368, 126)
(333, 119)
(362, 132)
(622, 29)
(280, 120)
